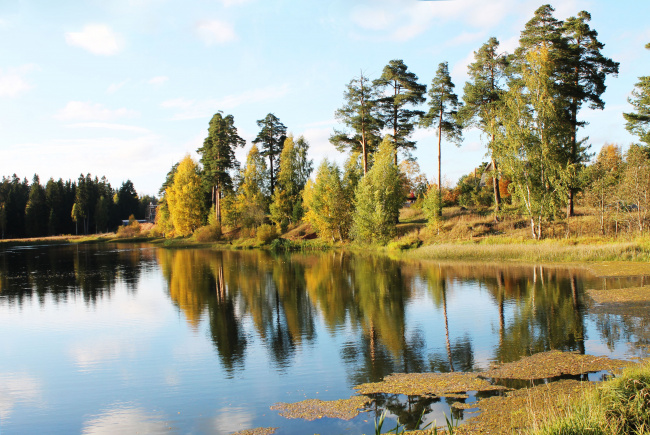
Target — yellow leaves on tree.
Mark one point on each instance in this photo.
(185, 198)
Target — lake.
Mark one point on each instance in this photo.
(134, 338)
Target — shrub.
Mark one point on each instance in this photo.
(208, 233)
(131, 230)
(266, 233)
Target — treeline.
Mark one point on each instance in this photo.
(66, 207)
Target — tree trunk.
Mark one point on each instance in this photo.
(440, 161)
(217, 203)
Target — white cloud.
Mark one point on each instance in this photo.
(86, 111)
(96, 38)
(16, 388)
(109, 126)
(114, 87)
(13, 83)
(126, 419)
(215, 32)
(158, 80)
(192, 109)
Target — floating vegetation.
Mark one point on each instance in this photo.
(620, 268)
(551, 364)
(428, 384)
(623, 295)
(519, 409)
(257, 431)
(312, 409)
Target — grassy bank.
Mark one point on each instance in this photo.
(616, 407)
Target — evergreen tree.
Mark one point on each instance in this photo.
(443, 113)
(359, 114)
(638, 121)
(584, 82)
(127, 201)
(164, 222)
(81, 204)
(251, 204)
(271, 139)
(378, 198)
(36, 210)
(401, 92)
(218, 157)
(185, 198)
(482, 96)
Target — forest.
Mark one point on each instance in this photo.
(526, 104)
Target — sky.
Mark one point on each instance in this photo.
(126, 88)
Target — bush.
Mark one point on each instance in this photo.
(131, 230)
(208, 233)
(266, 233)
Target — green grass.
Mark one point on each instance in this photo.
(616, 407)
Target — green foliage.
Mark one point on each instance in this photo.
(271, 140)
(266, 233)
(638, 122)
(218, 156)
(251, 202)
(359, 114)
(36, 212)
(401, 92)
(327, 203)
(432, 207)
(378, 198)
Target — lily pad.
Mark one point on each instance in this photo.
(551, 364)
(312, 409)
(257, 431)
(428, 384)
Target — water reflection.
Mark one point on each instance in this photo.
(124, 418)
(16, 389)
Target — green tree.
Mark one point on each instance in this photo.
(252, 203)
(36, 210)
(378, 198)
(482, 96)
(271, 139)
(326, 203)
(636, 183)
(638, 121)
(185, 198)
(443, 114)
(584, 82)
(359, 115)
(164, 223)
(127, 200)
(531, 143)
(218, 157)
(286, 205)
(401, 92)
(603, 178)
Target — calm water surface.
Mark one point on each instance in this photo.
(124, 338)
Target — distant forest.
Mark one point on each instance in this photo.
(89, 205)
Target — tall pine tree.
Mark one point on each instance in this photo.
(443, 113)
(482, 96)
(218, 157)
(399, 92)
(638, 121)
(270, 140)
(359, 114)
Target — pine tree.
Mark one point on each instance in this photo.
(271, 139)
(36, 210)
(218, 157)
(482, 96)
(359, 114)
(378, 198)
(584, 82)
(638, 122)
(401, 92)
(185, 198)
(443, 113)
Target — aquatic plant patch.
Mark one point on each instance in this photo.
(257, 431)
(428, 384)
(312, 409)
(551, 364)
(621, 296)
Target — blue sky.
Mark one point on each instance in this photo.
(125, 88)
